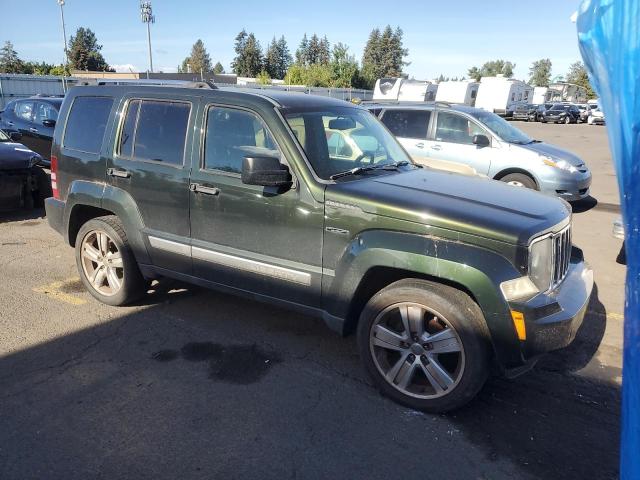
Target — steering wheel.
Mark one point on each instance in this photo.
(361, 157)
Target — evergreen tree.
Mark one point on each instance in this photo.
(272, 59)
(218, 68)
(253, 56)
(302, 54)
(238, 65)
(199, 60)
(324, 51)
(540, 73)
(284, 58)
(313, 51)
(383, 55)
(578, 75)
(491, 69)
(344, 67)
(9, 60)
(84, 52)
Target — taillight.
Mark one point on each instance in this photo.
(54, 177)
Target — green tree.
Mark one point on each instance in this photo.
(248, 61)
(344, 67)
(324, 51)
(284, 58)
(491, 69)
(9, 60)
(199, 60)
(84, 52)
(313, 52)
(272, 59)
(540, 73)
(238, 63)
(302, 53)
(218, 68)
(383, 55)
(578, 75)
(263, 78)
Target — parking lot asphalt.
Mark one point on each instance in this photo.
(190, 383)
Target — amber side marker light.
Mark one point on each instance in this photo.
(518, 322)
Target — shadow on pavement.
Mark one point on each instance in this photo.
(196, 384)
(18, 215)
(584, 205)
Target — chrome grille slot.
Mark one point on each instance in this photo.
(561, 255)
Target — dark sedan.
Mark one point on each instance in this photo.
(561, 113)
(34, 118)
(525, 112)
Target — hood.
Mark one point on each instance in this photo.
(554, 152)
(472, 205)
(14, 156)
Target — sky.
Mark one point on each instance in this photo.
(443, 37)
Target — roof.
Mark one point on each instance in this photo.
(271, 96)
(420, 106)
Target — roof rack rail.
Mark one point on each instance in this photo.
(148, 82)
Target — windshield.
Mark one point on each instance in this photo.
(338, 139)
(4, 137)
(501, 127)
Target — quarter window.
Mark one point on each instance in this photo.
(87, 123)
(407, 123)
(232, 135)
(129, 129)
(455, 128)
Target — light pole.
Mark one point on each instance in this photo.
(146, 14)
(66, 53)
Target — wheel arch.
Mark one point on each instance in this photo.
(507, 171)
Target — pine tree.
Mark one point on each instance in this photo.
(218, 68)
(84, 52)
(324, 51)
(272, 60)
(578, 75)
(238, 65)
(9, 60)
(199, 60)
(252, 57)
(302, 54)
(284, 58)
(313, 51)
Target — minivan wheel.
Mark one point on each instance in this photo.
(106, 263)
(519, 180)
(424, 345)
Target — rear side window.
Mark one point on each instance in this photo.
(231, 136)
(24, 110)
(86, 123)
(407, 123)
(129, 129)
(161, 131)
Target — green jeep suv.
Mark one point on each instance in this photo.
(441, 275)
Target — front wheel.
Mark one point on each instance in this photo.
(519, 180)
(106, 263)
(424, 345)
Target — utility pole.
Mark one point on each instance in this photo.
(66, 52)
(146, 14)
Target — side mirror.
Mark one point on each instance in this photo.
(15, 136)
(265, 171)
(49, 123)
(481, 140)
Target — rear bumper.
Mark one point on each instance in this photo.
(55, 214)
(552, 319)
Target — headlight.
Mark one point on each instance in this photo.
(561, 164)
(540, 264)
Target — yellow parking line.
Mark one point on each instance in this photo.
(53, 291)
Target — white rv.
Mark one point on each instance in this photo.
(501, 95)
(404, 90)
(462, 92)
(542, 95)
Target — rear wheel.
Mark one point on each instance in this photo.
(424, 345)
(519, 180)
(567, 120)
(106, 263)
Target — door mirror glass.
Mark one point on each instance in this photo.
(265, 171)
(481, 140)
(15, 136)
(49, 123)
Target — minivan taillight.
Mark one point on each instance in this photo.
(54, 177)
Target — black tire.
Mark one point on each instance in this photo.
(133, 285)
(524, 180)
(462, 314)
(567, 120)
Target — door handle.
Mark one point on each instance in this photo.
(115, 172)
(34, 130)
(196, 187)
(436, 147)
(420, 145)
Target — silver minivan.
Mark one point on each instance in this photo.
(486, 142)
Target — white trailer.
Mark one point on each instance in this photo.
(404, 90)
(542, 95)
(501, 95)
(462, 92)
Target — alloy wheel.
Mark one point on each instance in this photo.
(417, 350)
(102, 263)
(515, 183)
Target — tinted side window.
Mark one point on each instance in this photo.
(44, 111)
(161, 131)
(24, 111)
(86, 123)
(407, 123)
(455, 128)
(128, 129)
(232, 135)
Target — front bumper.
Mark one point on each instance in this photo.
(552, 319)
(569, 187)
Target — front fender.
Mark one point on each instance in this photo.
(474, 269)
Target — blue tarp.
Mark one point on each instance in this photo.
(609, 37)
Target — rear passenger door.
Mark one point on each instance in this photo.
(42, 134)
(151, 164)
(410, 127)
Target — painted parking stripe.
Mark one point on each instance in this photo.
(53, 290)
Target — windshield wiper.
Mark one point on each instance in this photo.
(353, 171)
(388, 166)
